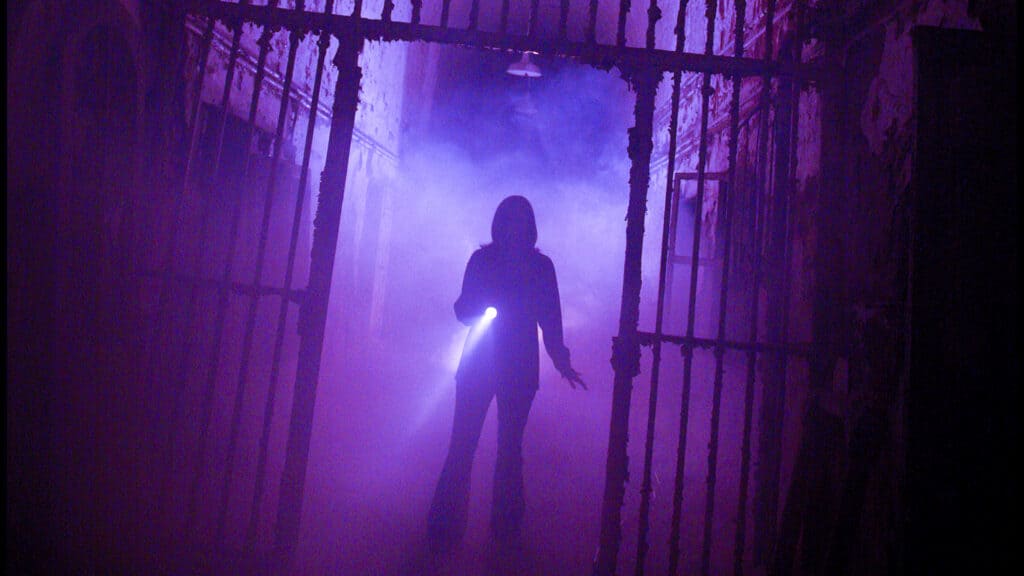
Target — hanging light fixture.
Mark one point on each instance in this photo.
(524, 68)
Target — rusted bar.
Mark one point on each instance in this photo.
(445, 9)
(588, 52)
(563, 18)
(716, 403)
(186, 350)
(534, 13)
(261, 250)
(626, 349)
(707, 175)
(313, 313)
(680, 29)
(239, 288)
(653, 15)
(748, 400)
(417, 8)
(389, 8)
(652, 401)
(224, 294)
(802, 350)
(620, 35)
(684, 408)
(323, 43)
(591, 34)
(179, 202)
(788, 174)
(474, 14)
(357, 10)
(760, 228)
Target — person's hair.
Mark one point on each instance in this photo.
(514, 226)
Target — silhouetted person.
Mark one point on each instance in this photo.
(500, 360)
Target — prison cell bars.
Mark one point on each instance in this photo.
(206, 41)
(652, 403)
(294, 37)
(323, 42)
(190, 334)
(729, 191)
(295, 453)
(588, 52)
(760, 225)
(563, 19)
(626, 346)
(223, 295)
(687, 350)
(313, 312)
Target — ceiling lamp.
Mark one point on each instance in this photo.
(524, 67)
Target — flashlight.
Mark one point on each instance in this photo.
(490, 314)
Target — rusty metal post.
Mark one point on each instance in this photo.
(313, 313)
(282, 315)
(626, 346)
(659, 324)
(250, 320)
(687, 351)
(620, 35)
(653, 15)
(729, 191)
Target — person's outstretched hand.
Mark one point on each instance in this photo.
(575, 378)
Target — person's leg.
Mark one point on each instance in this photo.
(449, 509)
(508, 503)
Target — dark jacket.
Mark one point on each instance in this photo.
(521, 285)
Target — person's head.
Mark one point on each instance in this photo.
(514, 226)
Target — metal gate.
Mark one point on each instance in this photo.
(230, 305)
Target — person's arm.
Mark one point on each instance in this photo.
(471, 305)
(551, 326)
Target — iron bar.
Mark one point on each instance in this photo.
(417, 8)
(626, 348)
(239, 288)
(653, 15)
(474, 14)
(504, 16)
(652, 402)
(323, 43)
(620, 35)
(684, 408)
(707, 176)
(261, 250)
(224, 293)
(802, 350)
(563, 19)
(155, 342)
(313, 313)
(729, 192)
(445, 9)
(587, 52)
(680, 30)
(748, 396)
(534, 14)
(760, 227)
(179, 202)
(190, 337)
(389, 8)
(590, 37)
